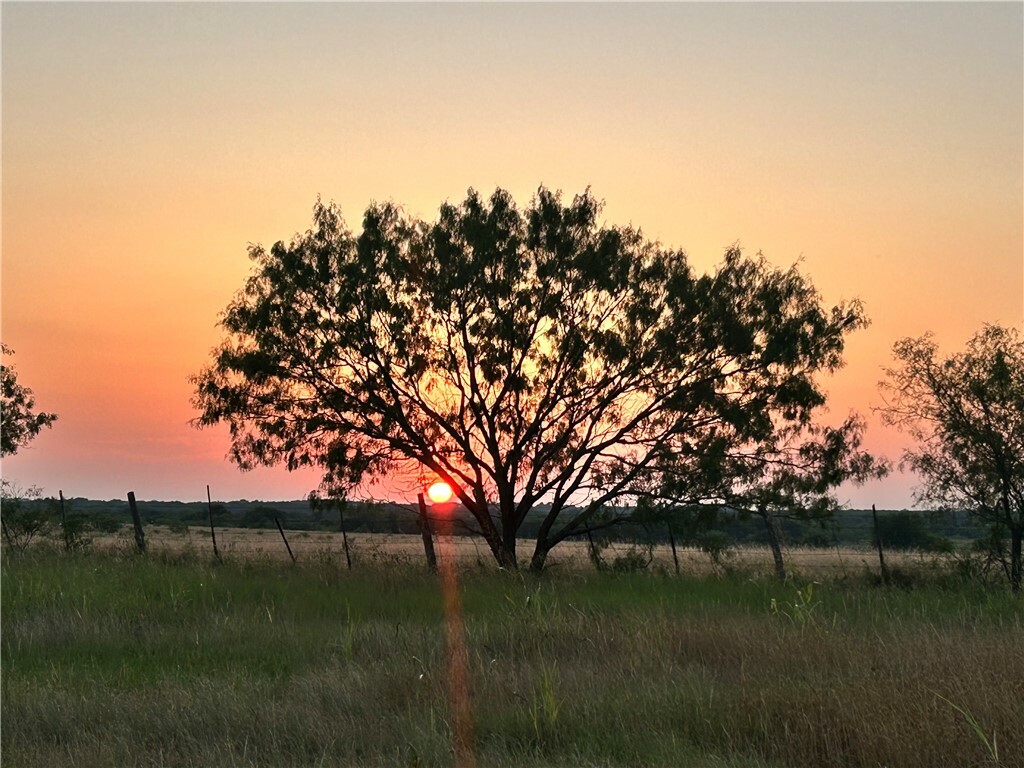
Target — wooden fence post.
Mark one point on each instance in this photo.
(672, 541)
(140, 536)
(213, 535)
(344, 535)
(428, 539)
(878, 541)
(285, 540)
(64, 522)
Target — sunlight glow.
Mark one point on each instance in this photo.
(439, 492)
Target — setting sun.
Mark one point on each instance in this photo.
(439, 492)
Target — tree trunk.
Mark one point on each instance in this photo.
(1015, 559)
(507, 553)
(595, 555)
(482, 514)
(540, 551)
(774, 540)
(540, 554)
(426, 534)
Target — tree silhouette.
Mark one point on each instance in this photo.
(524, 357)
(20, 424)
(794, 474)
(967, 414)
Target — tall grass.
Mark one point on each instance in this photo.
(179, 662)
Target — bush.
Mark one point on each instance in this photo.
(715, 544)
(22, 520)
(633, 560)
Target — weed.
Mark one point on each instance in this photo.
(633, 560)
(991, 746)
(545, 704)
(804, 610)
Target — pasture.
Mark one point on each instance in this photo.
(110, 658)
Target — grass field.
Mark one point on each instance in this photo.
(171, 660)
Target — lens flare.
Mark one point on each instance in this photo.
(439, 492)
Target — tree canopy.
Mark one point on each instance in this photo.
(966, 412)
(526, 357)
(20, 423)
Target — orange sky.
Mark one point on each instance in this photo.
(144, 145)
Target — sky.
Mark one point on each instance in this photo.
(144, 146)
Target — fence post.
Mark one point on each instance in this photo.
(344, 535)
(672, 541)
(64, 522)
(140, 536)
(878, 541)
(428, 539)
(213, 535)
(283, 538)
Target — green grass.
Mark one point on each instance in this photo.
(123, 660)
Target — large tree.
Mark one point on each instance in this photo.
(19, 423)
(966, 412)
(524, 356)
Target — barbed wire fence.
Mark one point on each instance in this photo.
(846, 544)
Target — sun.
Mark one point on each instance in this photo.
(439, 492)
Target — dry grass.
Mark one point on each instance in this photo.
(378, 548)
(179, 662)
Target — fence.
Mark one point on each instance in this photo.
(296, 531)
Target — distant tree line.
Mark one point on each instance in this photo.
(904, 530)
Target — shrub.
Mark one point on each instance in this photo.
(22, 521)
(633, 560)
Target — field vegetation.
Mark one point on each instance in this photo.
(111, 658)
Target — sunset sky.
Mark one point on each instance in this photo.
(145, 145)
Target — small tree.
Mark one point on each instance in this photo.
(794, 476)
(22, 519)
(790, 472)
(521, 356)
(966, 412)
(19, 424)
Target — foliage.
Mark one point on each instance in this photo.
(788, 473)
(22, 522)
(75, 532)
(803, 611)
(260, 517)
(634, 559)
(910, 531)
(519, 355)
(715, 544)
(795, 471)
(966, 412)
(19, 424)
(985, 559)
(27, 517)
